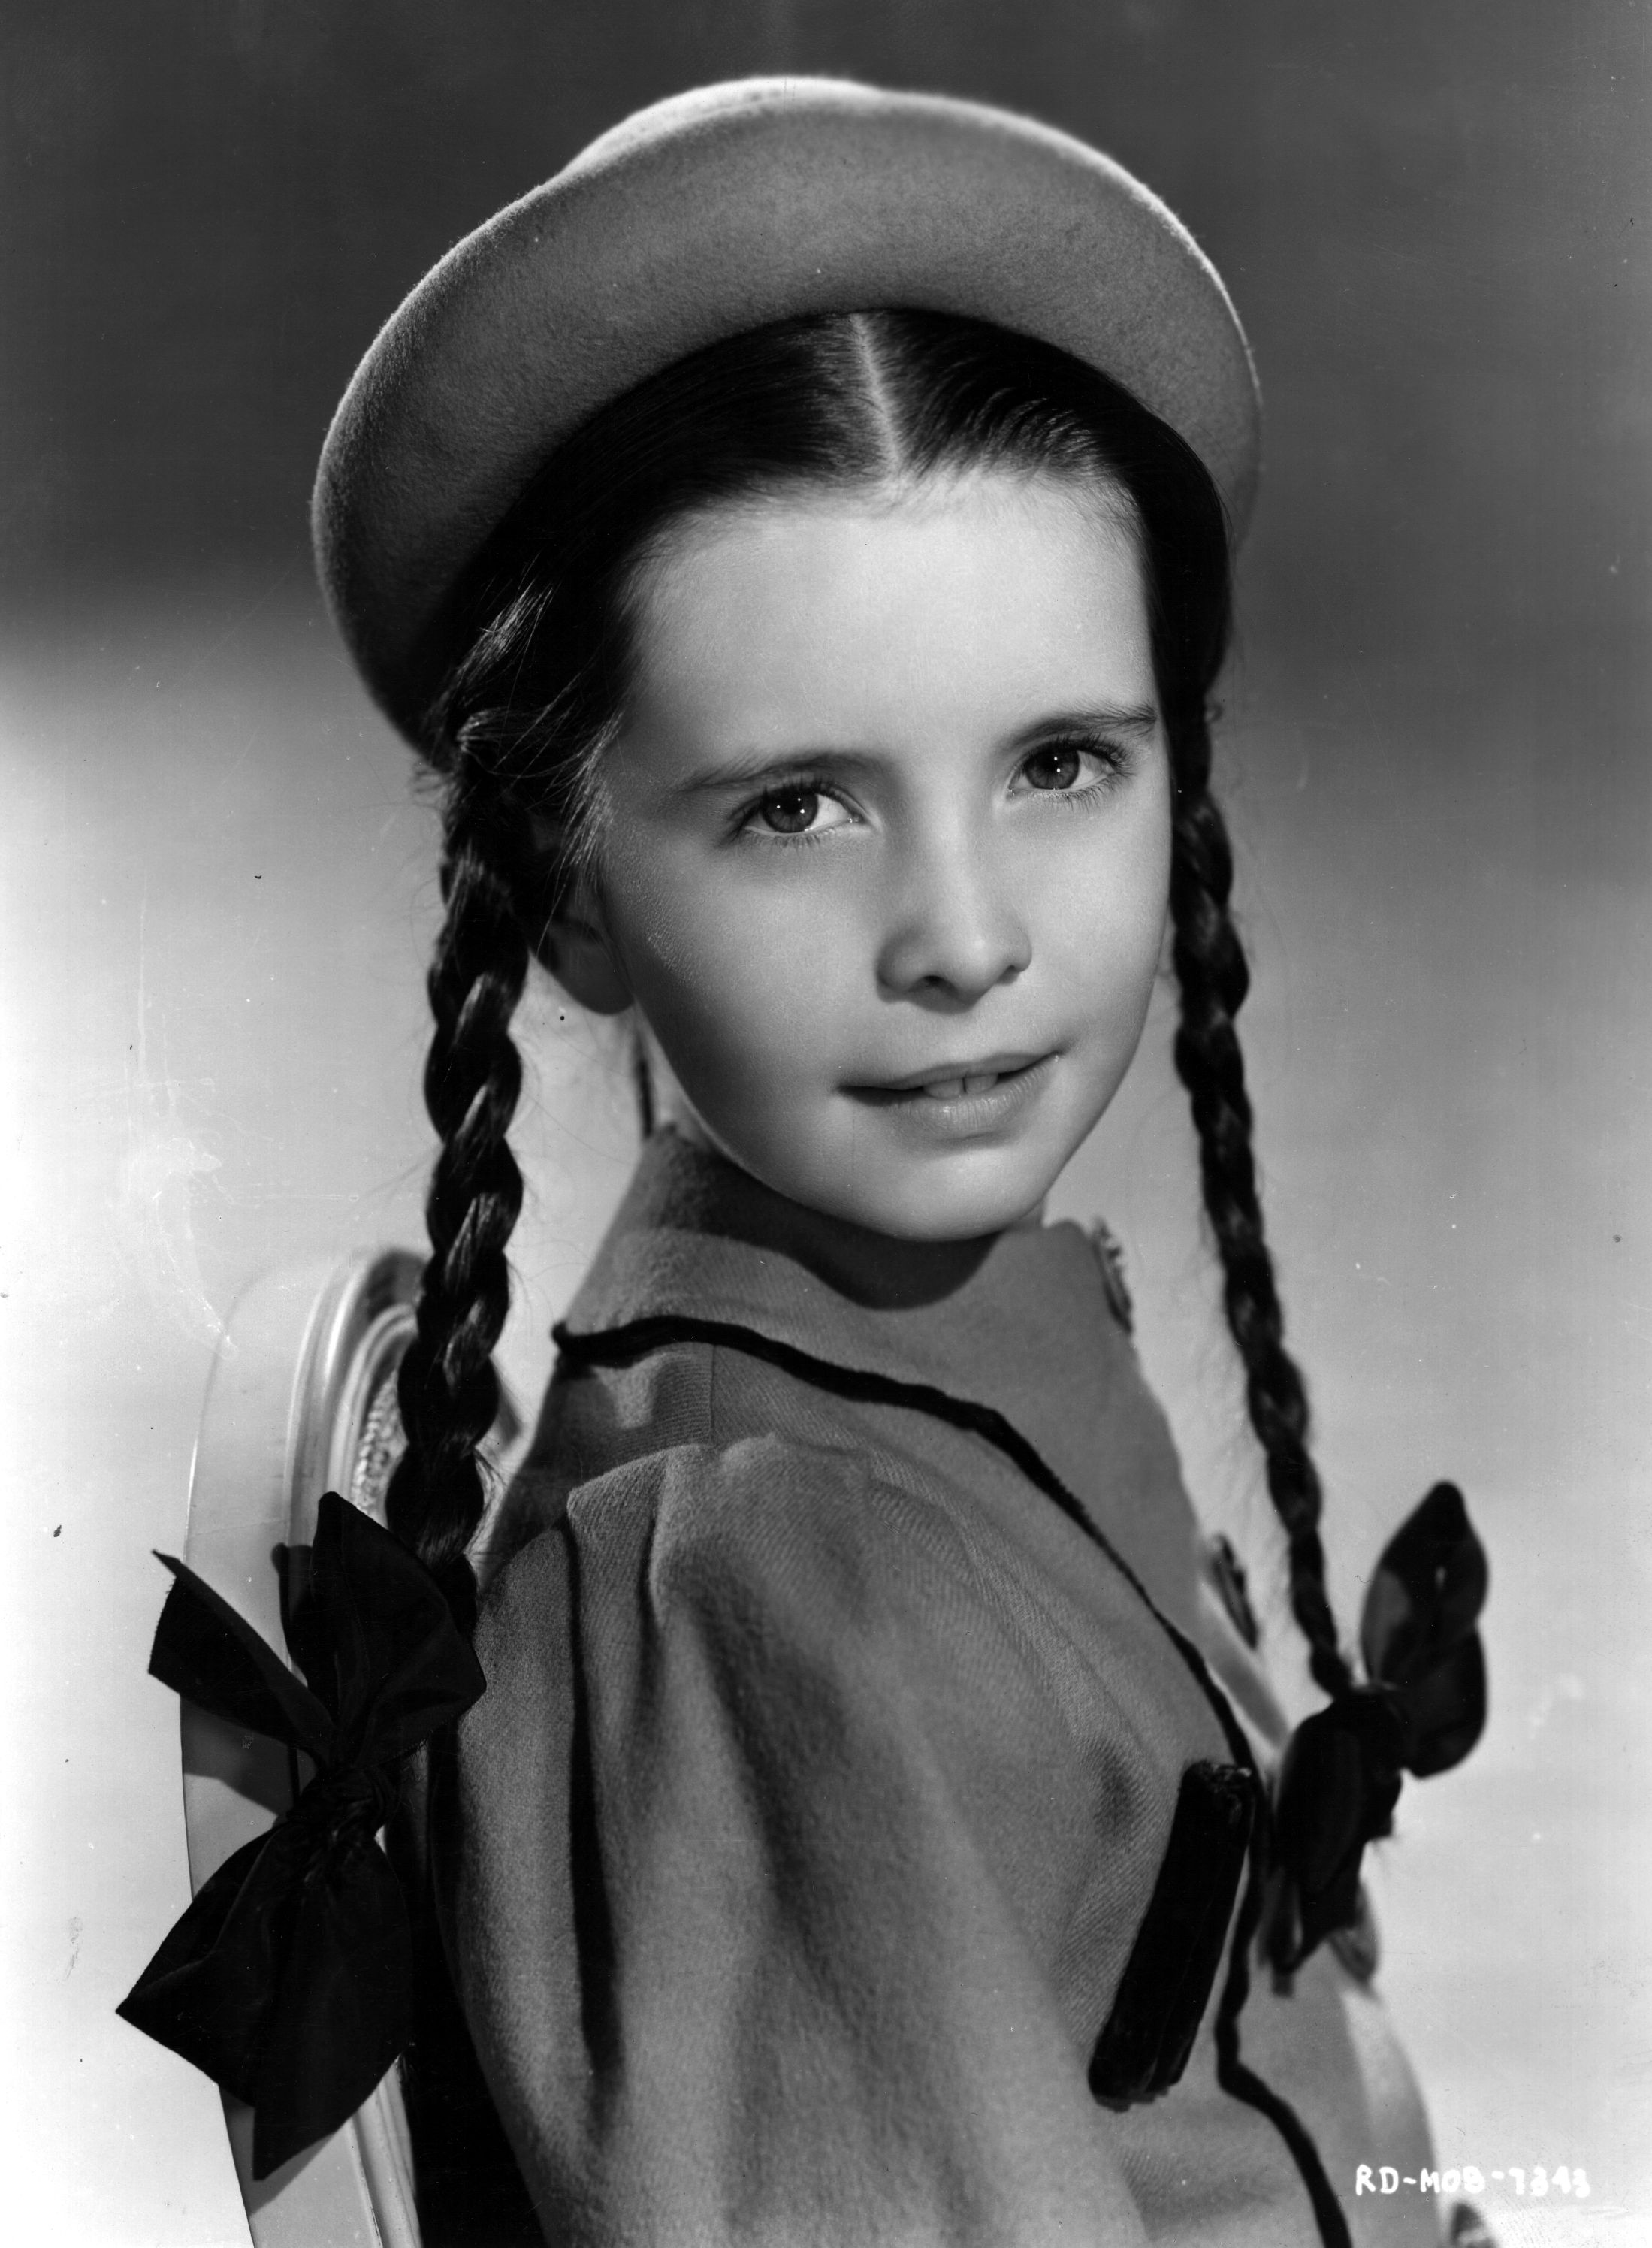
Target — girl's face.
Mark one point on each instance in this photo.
(885, 841)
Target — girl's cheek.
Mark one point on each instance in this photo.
(1103, 921)
(723, 990)
(724, 937)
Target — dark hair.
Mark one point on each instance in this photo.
(542, 626)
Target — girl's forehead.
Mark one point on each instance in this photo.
(963, 510)
(958, 590)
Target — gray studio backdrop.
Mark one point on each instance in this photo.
(218, 896)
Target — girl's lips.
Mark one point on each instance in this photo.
(948, 1088)
(950, 1080)
(968, 1105)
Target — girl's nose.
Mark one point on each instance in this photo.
(954, 934)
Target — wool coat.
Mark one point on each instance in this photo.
(850, 1847)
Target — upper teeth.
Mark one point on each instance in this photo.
(950, 1088)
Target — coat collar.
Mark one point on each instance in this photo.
(1025, 1322)
(1021, 1321)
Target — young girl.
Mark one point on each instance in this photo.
(799, 536)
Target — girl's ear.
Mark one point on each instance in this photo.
(574, 944)
(571, 938)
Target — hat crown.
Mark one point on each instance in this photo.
(718, 210)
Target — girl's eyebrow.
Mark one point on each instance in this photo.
(762, 768)
(1102, 718)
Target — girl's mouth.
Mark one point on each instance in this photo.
(953, 1080)
(953, 1088)
(960, 1100)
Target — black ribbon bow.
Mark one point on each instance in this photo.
(1422, 1711)
(288, 1979)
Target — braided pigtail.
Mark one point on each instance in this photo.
(1214, 978)
(447, 1387)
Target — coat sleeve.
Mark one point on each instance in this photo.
(763, 1839)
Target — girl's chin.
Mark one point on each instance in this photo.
(966, 1219)
(934, 1198)
(886, 1177)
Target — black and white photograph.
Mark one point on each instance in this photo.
(825, 1302)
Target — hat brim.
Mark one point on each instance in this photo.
(717, 212)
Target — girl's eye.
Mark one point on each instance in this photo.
(795, 811)
(1057, 766)
(1072, 768)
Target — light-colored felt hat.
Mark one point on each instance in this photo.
(710, 213)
